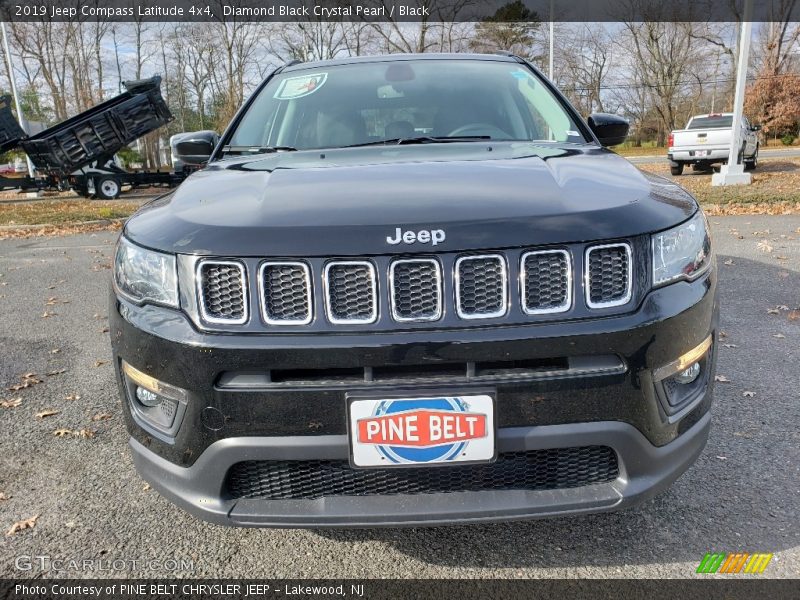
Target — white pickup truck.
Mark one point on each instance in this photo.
(706, 140)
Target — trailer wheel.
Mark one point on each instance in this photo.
(107, 187)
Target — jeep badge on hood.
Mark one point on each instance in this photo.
(423, 236)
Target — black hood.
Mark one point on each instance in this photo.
(346, 202)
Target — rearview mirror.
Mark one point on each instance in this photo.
(610, 130)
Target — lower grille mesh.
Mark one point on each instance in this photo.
(548, 469)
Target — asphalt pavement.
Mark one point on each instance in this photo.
(741, 495)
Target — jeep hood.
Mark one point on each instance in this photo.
(346, 202)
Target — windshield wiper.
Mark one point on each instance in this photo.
(256, 149)
(424, 139)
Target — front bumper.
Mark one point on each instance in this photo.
(645, 470)
(221, 426)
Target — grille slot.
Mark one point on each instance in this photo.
(554, 468)
(546, 282)
(415, 290)
(609, 275)
(481, 286)
(351, 292)
(285, 293)
(222, 290)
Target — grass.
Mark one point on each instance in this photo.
(775, 189)
(63, 212)
(640, 151)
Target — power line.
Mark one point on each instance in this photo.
(676, 84)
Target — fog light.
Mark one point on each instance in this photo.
(689, 375)
(158, 404)
(147, 397)
(684, 363)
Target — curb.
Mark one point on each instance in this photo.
(73, 224)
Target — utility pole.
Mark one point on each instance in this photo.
(550, 55)
(22, 122)
(733, 173)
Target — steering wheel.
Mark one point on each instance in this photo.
(478, 129)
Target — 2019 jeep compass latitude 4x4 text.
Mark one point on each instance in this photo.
(414, 290)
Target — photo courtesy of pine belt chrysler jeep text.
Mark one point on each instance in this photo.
(414, 290)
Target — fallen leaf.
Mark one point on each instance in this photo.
(764, 246)
(104, 330)
(53, 301)
(28, 379)
(773, 311)
(85, 433)
(62, 432)
(722, 457)
(101, 417)
(794, 315)
(56, 372)
(729, 346)
(22, 525)
(748, 394)
(47, 413)
(81, 433)
(73, 397)
(778, 335)
(781, 258)
(47, 315)
(12, 403)
(729, 262)
(55, 350)
(146, 487)
(3, 497)
(100, 363)
(782, 307)
(721, 379)
(722, 334)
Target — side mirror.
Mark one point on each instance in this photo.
(755, 128)
(194, 150)
(609, 129)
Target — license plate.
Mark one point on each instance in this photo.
(428, 430)
(701, 153)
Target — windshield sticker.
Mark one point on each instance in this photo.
(573, 133)
(519, 74)
(297, 87)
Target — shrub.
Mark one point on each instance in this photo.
(788, 139)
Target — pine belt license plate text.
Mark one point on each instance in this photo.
(422, 431)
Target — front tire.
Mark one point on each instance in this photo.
(676, 169)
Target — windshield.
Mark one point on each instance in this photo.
(356, 104)
(711, 122)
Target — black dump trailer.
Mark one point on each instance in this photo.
(79, 153)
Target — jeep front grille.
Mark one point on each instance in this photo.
(512, 286)
(481, 286)
(222, 288)
(546, 282)
(608, 273)
(416, 289)
(351, 292)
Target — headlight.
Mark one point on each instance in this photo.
(145, 275)
(683, 252)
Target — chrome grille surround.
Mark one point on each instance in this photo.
(464, 279)
(589, 278)
(566, 284)
(208, 312)
(357, 268)
(434, 291)
(302, 296)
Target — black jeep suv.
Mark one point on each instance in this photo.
(414, 290)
